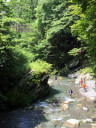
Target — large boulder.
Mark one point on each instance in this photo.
(28, 91)
(87, 120)
(64, 106)
(71, 76)
(85, 109)
(73, 123)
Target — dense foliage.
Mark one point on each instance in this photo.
(37, 33)
(54, 20)
(17, 55)
(84, 28)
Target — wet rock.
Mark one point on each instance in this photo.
(77, 81)
(67, 102)
(71, 76)
(58, 119)
(50, 81)
(87, 120)
(33, 90)
(30, 108)
(73, 122)
(85, 109)
(48, 112)
(44, 104)
(74, 64)
(64, 106)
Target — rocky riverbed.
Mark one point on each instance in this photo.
(57, 110)
(90, 92)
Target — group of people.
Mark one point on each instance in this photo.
(82, 83)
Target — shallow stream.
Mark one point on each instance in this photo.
(48, 112)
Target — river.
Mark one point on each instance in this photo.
(48, 112)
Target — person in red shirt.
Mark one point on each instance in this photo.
(81, 82)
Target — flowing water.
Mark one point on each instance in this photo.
(49, 113)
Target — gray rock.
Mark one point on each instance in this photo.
(85, 109)
(72, 76)
(74, 64)
(73, 122)
(87, 120)
(30, 108)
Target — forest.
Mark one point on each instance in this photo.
(43, 37)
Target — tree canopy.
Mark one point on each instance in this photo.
(44, 34)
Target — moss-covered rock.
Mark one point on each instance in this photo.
(32, 87)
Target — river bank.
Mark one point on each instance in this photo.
(80, 107)
(57, 110)
(89, 91)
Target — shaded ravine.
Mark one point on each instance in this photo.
(48, 113)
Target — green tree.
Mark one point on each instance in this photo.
(6, 35)
(85, 28)
(54, 20)
(17, 53)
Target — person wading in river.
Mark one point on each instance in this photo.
(81, 82)
(70, 93)
(55, 78)
(84, 85)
